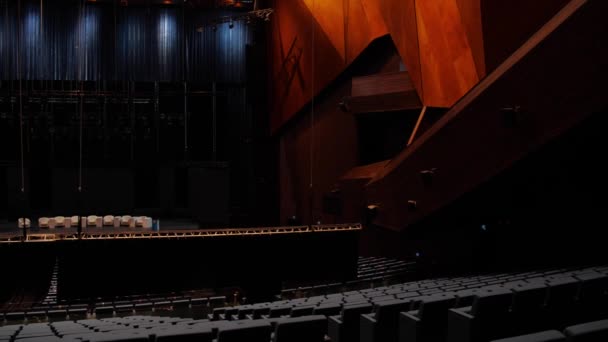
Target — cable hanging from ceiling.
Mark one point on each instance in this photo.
(20, 76)
(312, 111)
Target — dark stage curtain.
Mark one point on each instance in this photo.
(79, 40)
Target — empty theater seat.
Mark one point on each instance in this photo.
(181, 333)
(588, 332)
(301, 329)
(543, 336)
(428, 323)
(382, 324)
(345, 327)
(486, 319)
(250, 331)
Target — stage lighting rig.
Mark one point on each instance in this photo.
(249, 17)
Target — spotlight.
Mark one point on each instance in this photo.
(427, 176)
(512, 115)
(412, 205)
(292, 221)
(231, 24)
(344, 104)
(371, 211)
(214, 27)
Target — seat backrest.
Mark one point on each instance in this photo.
(492, 303)
(389, 310)
(251, 331)
(529, 297)
(434, 309)
(588, 332)
(301, 329)
(350, 313)
(108, 220)
(562, 292)
(593, 287)
(543, 336)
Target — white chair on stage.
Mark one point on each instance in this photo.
(60, 221)
(43, 222)
(21, 224)
(127, 221)
(108, 221)
(71, 221)
(147, 222)
(52, 223)
(94, 221)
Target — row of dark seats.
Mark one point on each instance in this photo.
(585, 332)
(286, 329)
(107, 309)
(370, 271)
(148, 328)
(476, 308)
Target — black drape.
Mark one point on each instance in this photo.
(80, 40)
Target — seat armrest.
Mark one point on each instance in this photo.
(410, 328)
(367, 327)
(461, 325)
(334, 328)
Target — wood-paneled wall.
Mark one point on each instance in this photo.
(446, 45)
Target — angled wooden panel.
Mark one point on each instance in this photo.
(383, 92)
(448, 69)
(375, 20)
(342, 30)
(476, 131)
(292, 65)
(470, 14)
(330, 16)
(368, 171)
(400, 19)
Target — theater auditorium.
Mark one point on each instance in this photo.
(303, 170)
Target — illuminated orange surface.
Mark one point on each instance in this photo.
(431, 37)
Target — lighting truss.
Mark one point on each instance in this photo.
(100, 234)
(262, 14)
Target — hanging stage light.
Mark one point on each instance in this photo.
(249, 17)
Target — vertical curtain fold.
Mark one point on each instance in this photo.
(60, 40)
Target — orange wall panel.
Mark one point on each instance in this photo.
(448, 68)
(292, 65)
(470, 13)
(342, 30)
(400, 19)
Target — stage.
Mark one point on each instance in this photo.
(111, 262)
(179, 229)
